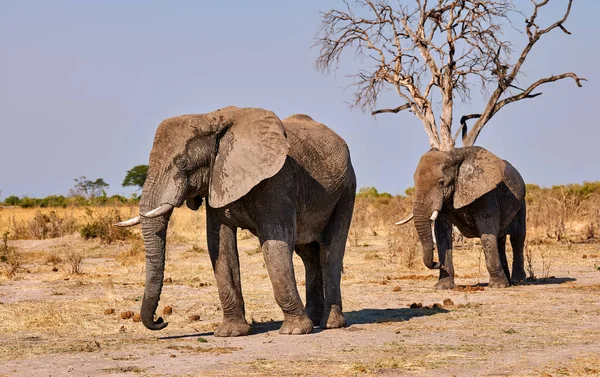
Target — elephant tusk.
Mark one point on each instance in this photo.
(434, 215)
(433, 233)
(158, 211)
(405, 220)
(130, 222)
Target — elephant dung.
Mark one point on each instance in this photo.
(126, 315)
(168, 310)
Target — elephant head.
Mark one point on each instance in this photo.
(454, 179)
(219, 156)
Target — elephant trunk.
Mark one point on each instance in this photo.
(423, 223)
(154, 231)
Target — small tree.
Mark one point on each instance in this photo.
(418, 46)
(89, 189)
(136, 176)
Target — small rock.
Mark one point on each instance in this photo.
(109, 311)
(137, 318)
(172, 355)
(448, 302)
(168, 280)
(54, 269)
(415, 305)
(436, 306)
(396, 288)
(168, 310)
(194, 317)
(128, 314)
(122, 329)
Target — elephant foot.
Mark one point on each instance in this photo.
(518, 277)
(499, 282)
(333, 318)
(296, 325)
(445, 284)
(233, 328)
(315, 315)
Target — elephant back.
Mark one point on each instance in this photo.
(318, 149)
(514, 181)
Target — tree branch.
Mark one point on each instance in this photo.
(395, 110)
(527, 92)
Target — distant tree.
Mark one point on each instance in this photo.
(136, 176)
(430, 52)
(12, 200)
(89, 189)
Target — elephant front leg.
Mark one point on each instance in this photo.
(310, 255)
(443, 236)
(278, 258)
(222, 247)
(498, 279)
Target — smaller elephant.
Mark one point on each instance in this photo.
(483, 196)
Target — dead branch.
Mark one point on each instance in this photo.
(395, 110)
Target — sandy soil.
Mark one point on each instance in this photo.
(53, 323)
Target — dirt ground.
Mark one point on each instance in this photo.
(55, 323)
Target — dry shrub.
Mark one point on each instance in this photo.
(529, 251)
(74, 260)
(561, 212)
(53, 257)
(100, 224)
(43, 226)
(374, 213)
(10, 260)
(403, 243)
(134, 254)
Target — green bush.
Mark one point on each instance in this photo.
(12, 200)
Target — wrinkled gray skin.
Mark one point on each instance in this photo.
(290, 183)
(484, 197)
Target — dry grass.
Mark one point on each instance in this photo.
(49, 313)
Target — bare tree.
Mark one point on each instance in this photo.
(449, 45)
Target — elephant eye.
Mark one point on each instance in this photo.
(182, 164)
(441, 183)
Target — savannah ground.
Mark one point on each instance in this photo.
(57, 296)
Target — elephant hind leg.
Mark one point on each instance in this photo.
(502, 255)
(333, 247)
(517, 241)
(310, 254)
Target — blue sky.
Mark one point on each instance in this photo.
(83, 86)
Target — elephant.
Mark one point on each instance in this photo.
(481, 195)
(290, 183)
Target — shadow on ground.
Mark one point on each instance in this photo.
(357, 317)
(369, 316)
(550, 280)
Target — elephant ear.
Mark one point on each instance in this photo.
(254, 148)
(479, 173)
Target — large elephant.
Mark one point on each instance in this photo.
(290, 183)
(483, 196)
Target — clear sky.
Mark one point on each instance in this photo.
(84, 84)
